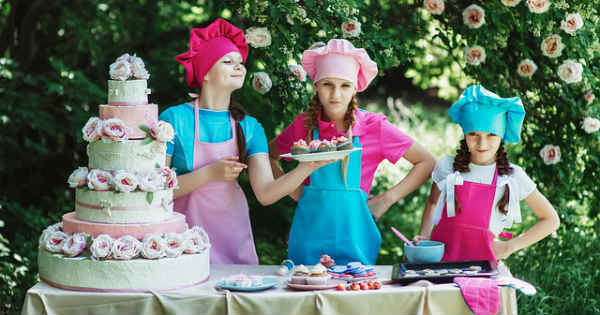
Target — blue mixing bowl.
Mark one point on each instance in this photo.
(425, 252)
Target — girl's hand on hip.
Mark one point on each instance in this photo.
(226, 169)
(502, 249)
(379, 205)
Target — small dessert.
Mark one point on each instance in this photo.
(299, 147)
(300, 274)
(313, 146)
(342, 143)
(326, 261)
(318, 275)
(326, 146)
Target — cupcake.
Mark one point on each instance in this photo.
(326, 146)
(318, 275)
(299, 147)
(300, 275)
(313, 146)
(342, 143)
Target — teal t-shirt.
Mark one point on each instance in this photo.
(213, 126)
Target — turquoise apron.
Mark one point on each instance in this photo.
(333, 218)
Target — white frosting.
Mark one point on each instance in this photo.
(129, 207)
(129, 155)
(133, 92)
(133, 275)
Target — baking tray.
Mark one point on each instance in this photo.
(399, 274)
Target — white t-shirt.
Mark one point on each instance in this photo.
(484, 174)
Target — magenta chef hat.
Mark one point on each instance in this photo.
(207, 46)
(340, 59)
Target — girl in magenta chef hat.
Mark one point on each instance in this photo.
(215, 140)
(334, 215)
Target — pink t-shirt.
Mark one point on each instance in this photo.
(379, 138)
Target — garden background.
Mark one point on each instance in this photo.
(54, 58)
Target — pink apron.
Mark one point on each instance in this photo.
(219, 207)
(466, 235)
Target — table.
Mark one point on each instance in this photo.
(205, 299)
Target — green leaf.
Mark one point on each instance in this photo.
(145, 128)
(157, 165)
(147, 140)
(149, 197)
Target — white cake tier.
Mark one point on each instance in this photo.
(123, 207)
(130, 155)
(129, 92)
(137, 275)
(133, 116)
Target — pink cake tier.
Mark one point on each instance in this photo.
(73, 225)
(133, 116)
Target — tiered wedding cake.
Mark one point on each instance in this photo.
(124, 235)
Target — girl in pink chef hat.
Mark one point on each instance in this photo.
(334, 216)
(215, 140)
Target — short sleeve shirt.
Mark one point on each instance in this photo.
(213, 126)
(379, 138)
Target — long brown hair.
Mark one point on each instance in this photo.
(238, 113)
(461, 164)
(311, 122)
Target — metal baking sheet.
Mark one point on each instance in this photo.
(399, 274)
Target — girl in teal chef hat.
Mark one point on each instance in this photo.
(476, 194)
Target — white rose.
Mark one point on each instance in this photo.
(351, 28)
(92, 130)
(150, 181)
(435, 7)
(102, 247)
(114, 129)
(258, 37)
(126, 247)
(174, 246)
(538, 6)
(589, 97)
(510, 3)
(298, 72)
(125, 181)
(570, 71)
(572, 23)
(474, 16)
(78, 178)
(195, 240)
(153, 246)
(162, 131)
(591, 124)
(526, 68)
(120, 70)
(99, 180)
(75, 244)
(552, 46)
(46, 234)
(261, 82)
(550, 154)
(55, 242)
(138, 68)
(474, 55)
(169, 177)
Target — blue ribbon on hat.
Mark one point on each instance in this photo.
(479, 109)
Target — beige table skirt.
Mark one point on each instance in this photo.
(205, 299)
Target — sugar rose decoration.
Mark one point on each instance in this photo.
(125, 181)
(590, 125)
(258, 37)
(538, 6)
(162, 131)
(474, 55)
(526, 68)
(261, 82)
(126, 67)
(550, 154)
(570, 71)
(351, 28)
(99, 180)
(474, 16)
(101, 247)
(114, 129)
(552, 46)
(75, 244)
(571, 23)
(153, 246)
(435, 7)
(175, 245)
(78, 178)
(126, 247)
(150, 181)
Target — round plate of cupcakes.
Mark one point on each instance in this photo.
(315, 278)
(320, 150)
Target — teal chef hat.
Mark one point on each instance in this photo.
(478, 109)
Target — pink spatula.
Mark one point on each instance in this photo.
(402, 237)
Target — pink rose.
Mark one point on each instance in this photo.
(101, 247)
(56, 241)
(125, 181)
(120, 70)
(572, 23)
(138, 68)
(150, 181)
(78, 178)
(75, 244)
(195, 240)
(474, 55)
(591, 125)
(550, 154)
(298, 72)
(153, 246)
(552, 46)
(474, 16)
(526, 68)
(589, 97)
(99, 180)
(114, 129)
(169, 177)
(435, 7)
(92, 131)
(126, 247)
(538, 6)
(175, 246)
(351, 28)
(162, 131)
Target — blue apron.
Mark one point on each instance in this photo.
(333, 218)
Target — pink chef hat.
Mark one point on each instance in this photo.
(207, 46)
(340, 59)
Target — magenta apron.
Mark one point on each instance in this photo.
(466, 235)
(219, 207)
